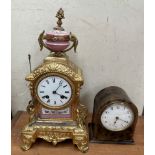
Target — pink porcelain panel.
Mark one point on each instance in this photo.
(57, 33)
(56, 46)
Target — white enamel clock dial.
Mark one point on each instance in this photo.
(54, 91)
(117, 117)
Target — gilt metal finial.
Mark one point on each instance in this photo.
(60, 16)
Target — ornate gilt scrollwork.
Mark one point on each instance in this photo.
(55, 134)
(81, 115)
(54, 67)
(31, 110)
(40, 40)
(73, 39)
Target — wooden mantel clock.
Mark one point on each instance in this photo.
(114, 117)
(56, 113)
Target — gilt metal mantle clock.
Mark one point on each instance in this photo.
(56, 113)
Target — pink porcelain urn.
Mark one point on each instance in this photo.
(58, 40)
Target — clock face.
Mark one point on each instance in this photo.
(54, 91)
(117, 117)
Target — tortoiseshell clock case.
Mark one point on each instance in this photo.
(104, 100)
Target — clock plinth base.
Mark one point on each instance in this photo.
(93, 139)
(54, 134)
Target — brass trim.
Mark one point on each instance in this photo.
(59, 75)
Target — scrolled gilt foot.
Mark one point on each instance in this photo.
(54, 142)
(26, 144)
(27, 138)
(25, 147)
(83, 147)
(82, 142)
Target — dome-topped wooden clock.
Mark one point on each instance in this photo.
(114, 117)
(56, 113)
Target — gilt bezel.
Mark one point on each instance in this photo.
(61, 76)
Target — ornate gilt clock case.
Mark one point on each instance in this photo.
(50, 120)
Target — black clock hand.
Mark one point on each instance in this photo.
(116, 119)
(46, 96)
(62, 96)
(60, 84)
(123, 120)
(57, 88)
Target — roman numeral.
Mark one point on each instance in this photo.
(60, 83)
(47, 81)
(64, 86)
(61, 101)
(48, 100)
(41, 91)
(111, 108)
(42, 86)
(55, 102)
(66, 91)
(53, 79)
(46, 96)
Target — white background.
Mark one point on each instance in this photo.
(110, 50)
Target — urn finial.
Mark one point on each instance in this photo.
(58, 40)
(60, 16)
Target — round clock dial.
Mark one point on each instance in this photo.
(117, 117)
(54, 91)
